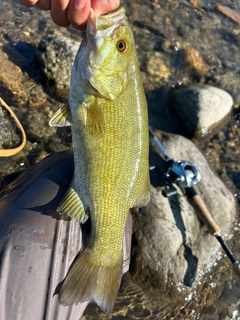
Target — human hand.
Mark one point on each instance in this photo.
(74, 12)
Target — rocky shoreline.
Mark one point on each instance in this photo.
(191, 87)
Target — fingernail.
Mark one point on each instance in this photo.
(79, 4)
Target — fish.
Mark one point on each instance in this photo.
(109, 118)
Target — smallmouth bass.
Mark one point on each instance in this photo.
(108, 114)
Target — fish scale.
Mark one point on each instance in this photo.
(108, 114)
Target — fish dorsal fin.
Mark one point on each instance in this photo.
(93, 117)
(72, 205)
(62, 118)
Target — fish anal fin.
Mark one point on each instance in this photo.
(62, 118)
(94, 119)
(72, 206)
(88, 280)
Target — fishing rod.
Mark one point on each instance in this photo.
(185, 175)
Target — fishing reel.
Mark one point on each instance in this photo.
(182, 173)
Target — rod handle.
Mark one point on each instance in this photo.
(202, 211)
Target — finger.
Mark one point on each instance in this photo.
(28, 3)
(104, 6)
(44, 4)
(78, 13)
(59, 12)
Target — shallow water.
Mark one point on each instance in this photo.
(161, 29)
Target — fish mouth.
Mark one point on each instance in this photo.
(104, 25)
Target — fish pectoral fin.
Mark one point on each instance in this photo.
(62, 118)
(72, 206)
(144, 196)
(93, 117)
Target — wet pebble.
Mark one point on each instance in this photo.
(194, 2)
(157, 68)
(230, 13)
(201, 108)
(11, 82)
(191, 64)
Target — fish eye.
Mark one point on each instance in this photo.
(121, 46)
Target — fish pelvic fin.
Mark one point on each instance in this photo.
(62, 118)
(72, 205)
(87, 280)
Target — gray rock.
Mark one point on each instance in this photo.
(201, 108)
(56, 56)
(172, 247)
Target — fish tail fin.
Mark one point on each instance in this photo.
(87, 279)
